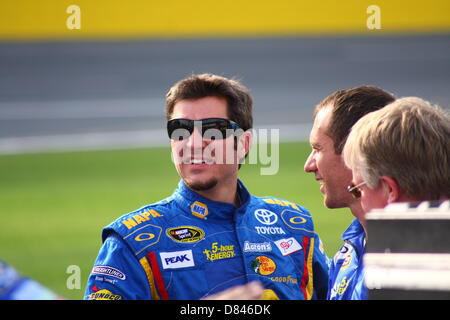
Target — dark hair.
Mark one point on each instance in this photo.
(348, 106)
(239, 100)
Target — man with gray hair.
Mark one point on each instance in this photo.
(400, 153)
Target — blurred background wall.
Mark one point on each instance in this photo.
(46, 19)
(85, 74)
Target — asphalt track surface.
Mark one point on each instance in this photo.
(104, 94)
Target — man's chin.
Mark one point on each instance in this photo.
(201, 185)
(331, 203)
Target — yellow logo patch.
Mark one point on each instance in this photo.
(200, 210)
(185, 234)
(104, 295)
(219, 252)
(139, 218)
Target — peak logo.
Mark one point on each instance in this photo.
(177, 259)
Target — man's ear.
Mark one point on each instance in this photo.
(244, 144)
(392, 188)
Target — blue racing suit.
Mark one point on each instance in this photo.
(189, 247)
(346, 269)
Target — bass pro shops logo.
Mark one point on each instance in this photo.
(263, 265)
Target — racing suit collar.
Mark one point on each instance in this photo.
(356, 236)
(201, 207)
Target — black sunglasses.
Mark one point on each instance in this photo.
(211, 128)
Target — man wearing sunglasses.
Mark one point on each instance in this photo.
(211, 234)
(400, 153)
(333, 119)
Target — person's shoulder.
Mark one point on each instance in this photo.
(278, 204)
(295, 216)
(149, 217)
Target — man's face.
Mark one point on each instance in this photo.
(376, 198)
(328, 167)
(204, 163)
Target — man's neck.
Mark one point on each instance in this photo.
(358, 213)
(222, 193)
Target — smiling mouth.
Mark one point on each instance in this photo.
(199, 161)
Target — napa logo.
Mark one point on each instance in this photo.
(199, 209)
(137, 219)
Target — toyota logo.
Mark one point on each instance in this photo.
(266, 217)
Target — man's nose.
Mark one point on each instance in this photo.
(310, 164)
(195, 140)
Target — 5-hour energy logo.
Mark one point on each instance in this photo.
(219, 252)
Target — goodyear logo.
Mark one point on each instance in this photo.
(139, 218)
(104, 295)
(185, 234)
(289, 279)
(200, 210)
